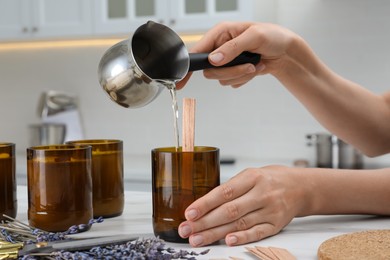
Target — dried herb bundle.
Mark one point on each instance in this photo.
(148, 249)
(15, 231)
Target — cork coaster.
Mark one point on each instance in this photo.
(372, 244)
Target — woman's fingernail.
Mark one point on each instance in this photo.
(216, 57)
(260, 67)
(185, 231)
(250, 69)
(191, 214)
(231, 240)
(197, 240)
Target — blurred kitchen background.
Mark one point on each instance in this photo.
(261, 121)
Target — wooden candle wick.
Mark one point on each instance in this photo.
(188, 124)
(188, 143)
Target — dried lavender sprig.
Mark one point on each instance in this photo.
(17, 231)
(6, 236)
(20, 232)
(149, 249)
(49, 236)
(17, 222)
(79, 228)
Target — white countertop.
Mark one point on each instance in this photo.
(301, 237)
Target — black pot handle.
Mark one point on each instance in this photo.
(200, 61)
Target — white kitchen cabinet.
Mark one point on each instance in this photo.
(48, 19)
(27, 19)
(200, 15)
(124, 16)
(13, 18)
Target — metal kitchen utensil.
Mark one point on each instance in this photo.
(332, 152)
(349, 157)
(46, 134)
(134, 71)
(324, 149)
(15, 250)
(56, 107)
(52, 102)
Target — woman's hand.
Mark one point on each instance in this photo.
(293, 63)
(255, 204)
(227, 40)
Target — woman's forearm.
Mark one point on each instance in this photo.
(332, 191)
(353, 113)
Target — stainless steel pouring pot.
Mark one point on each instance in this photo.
(134, 71)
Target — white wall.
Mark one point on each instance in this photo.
(261, 120)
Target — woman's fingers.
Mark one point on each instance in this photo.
(255, 233)
(183, 82)
(249, 207)
(235, 76)
(230, 212)
(251, 227)
(229, 73)
(232, 189)
(220, 34)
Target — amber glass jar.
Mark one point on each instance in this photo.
(107, 176)
(178, 179)
(59, 186)
(8, 201)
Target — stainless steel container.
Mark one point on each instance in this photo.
(324, 149)
(134, 71)
(55, 107)
(349, 157)
(47, 134)
(332, 152)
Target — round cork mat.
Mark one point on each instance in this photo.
(367, 245)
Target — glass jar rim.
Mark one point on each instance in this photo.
(6, 144)
(94, 141)
(197, 149)
(58, 147)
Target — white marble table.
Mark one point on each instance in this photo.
(301, 237)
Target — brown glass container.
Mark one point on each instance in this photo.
(59, 186)
(8, 201)
(107, 176)
(178, 179)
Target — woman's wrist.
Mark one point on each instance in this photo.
(306, 192)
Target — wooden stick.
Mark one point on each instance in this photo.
(282, 253)
(188, 124)
(188, 144)
(271, 253)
